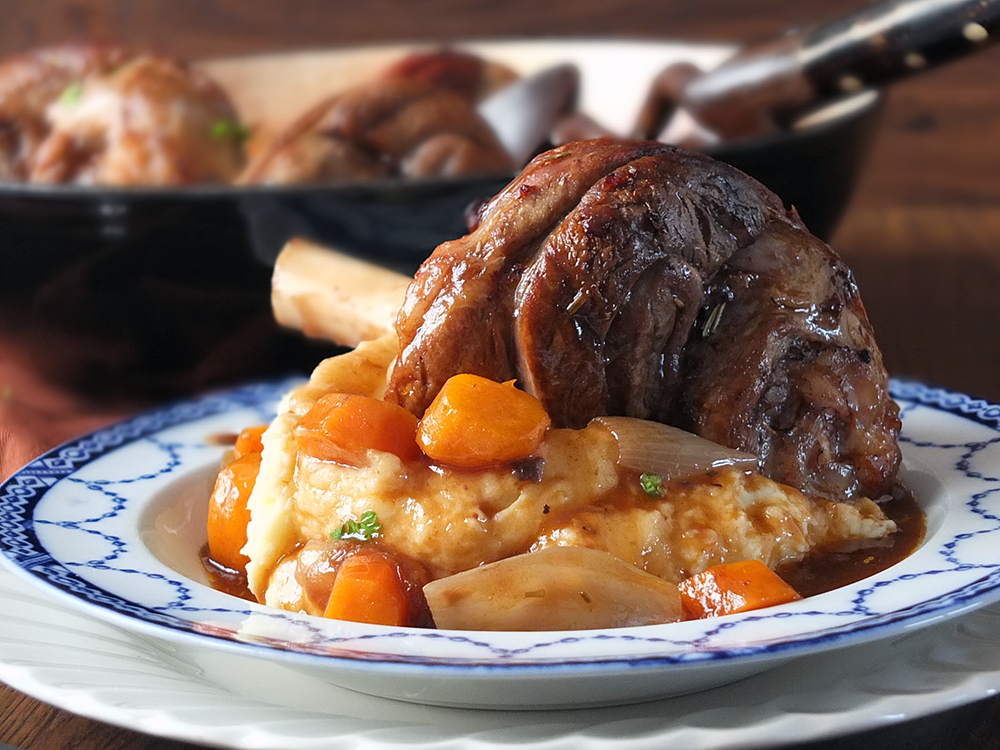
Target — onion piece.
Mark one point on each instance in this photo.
(671, 453)
(555, 588)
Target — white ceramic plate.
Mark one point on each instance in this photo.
(231, 700)
(113, 521)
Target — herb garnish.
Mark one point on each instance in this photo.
(652, 484)
(714, 318)
(71, 94)
(364, 529)
(230, 129)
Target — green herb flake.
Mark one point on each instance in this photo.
(652, 484)
(713, 321)
(230, 129)
(364, 529)
(71, 94)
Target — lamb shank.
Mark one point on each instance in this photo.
(638, 279)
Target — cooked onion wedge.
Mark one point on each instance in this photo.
(651, 447)
(556, 588)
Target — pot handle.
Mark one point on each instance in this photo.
(767, 85)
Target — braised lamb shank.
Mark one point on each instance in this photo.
(391, 127)
(95, 114)
(638, 279)
(29, 84)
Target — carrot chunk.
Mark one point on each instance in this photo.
(369, 588)
(343, 427)
(249, 441)
(227, 511)
(476, 422)
(733, 587)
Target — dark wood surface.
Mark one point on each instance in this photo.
(922, 233)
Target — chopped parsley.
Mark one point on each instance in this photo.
(652, 484)
(364, 529)
(71, 94)
(230, 129)
(714, 318)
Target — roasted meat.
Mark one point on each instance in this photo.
(783, 364)
(597, 278)
(149, 121)
(462, 72)
(29, 84)
(390, 127)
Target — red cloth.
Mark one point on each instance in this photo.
(36, 416)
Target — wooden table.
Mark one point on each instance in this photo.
(922, 234)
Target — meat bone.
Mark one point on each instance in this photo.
(330, 295)
(766, 87)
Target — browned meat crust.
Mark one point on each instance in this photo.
(29, 83)
(586, 280)
(784, 364)
(462, 72)
(150, 121)
(97, 114)
(393, 126)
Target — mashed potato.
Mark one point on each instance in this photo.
(571, 493)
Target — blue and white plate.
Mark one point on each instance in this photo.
(115, 520)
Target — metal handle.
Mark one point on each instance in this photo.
(889, 41)
(766, 86)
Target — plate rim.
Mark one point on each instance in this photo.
(977, 593)
(188, 720)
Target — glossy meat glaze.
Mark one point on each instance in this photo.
(417, 119)
(100, 115)
(635, 278)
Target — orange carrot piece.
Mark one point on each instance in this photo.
(369, 588)
(249, 441)
(733, 587)
(343, 427)
(476, 422)
(227, 511)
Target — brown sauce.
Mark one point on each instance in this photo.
(820, 572)
(224, 579)
(828, 570)
(222, 438)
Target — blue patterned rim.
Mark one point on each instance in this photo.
(69, 523)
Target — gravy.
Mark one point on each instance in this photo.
(828, 570)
